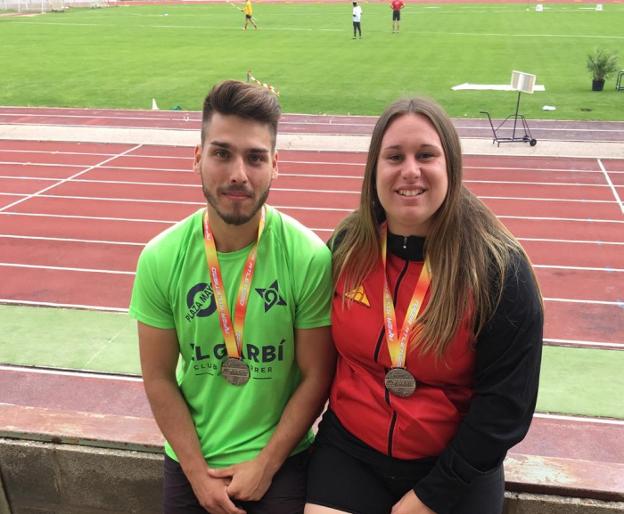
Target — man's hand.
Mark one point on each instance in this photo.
(212, 494)
(410, 504)
(248, 481)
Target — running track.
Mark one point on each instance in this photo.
(79, 213)
(76, 213)
(542, 130)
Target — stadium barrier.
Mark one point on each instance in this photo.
(43, 6)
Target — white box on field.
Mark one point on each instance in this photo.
(524, 82)
(539, 8)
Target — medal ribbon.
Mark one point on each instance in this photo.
(397, 342)
(232, 334)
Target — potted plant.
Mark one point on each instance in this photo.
(601, 64)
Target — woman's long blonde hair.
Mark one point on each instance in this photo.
(468, 248)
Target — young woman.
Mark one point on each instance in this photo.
(438, 321)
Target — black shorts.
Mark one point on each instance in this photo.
(285, 496)
(248, 16)
(396, 16)
(346, 477)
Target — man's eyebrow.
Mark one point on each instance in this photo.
(220, 144)
(228, 146)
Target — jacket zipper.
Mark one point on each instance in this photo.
(381, 338)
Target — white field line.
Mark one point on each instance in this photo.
(579, 419)
(327, 29)
(613, 189)
(39, 193)
(66, 373)
(589, 344)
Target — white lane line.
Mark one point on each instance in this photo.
(316, 229)
(580, 343)
(284, 208)
(13, 301)
(571, 241)
(115, 272)
(339, 177)
(590, 302)
(531, 199)
(284, 161)
(577, 268)
(63, 268)
(40, 193)
(613, 189)
(287, 190)
(71, 240)
(68, 373)
(579, 419)
(79, 217)
(553, 218)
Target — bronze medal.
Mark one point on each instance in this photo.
(235, 371)
(400, 382)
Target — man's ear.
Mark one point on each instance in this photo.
(275, 170)
(197, 159)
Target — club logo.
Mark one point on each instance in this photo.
(271, 296)
(200, 301)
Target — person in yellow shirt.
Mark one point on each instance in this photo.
(248, 11)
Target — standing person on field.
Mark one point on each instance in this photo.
(437, 319)
(237, 295)
(396, 6)
(248, 11)
(357, 18)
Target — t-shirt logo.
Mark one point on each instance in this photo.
(271, 296)
(358, 295)
(200, 301)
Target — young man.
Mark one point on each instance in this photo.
(239, 294)
(357, 18)
(396, 6)
(248, 11)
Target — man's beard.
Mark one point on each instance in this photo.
(237, 217)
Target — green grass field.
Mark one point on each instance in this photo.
(107, 342)
(124, 56)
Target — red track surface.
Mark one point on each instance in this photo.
(83, 211)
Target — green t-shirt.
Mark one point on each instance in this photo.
(291, 289)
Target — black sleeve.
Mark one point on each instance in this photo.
(508, 356)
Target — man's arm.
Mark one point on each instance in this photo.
(159, 356)
(316, 359)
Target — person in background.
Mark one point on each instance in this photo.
(438, 320)
(248, 12)
(396, 6)
(233, 310)
(357, 20)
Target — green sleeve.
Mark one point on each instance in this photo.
(314, 289)
(150, 302)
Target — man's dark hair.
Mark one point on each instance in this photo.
(249, 101)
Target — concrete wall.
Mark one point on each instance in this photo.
(44, 478)
(47, 478)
